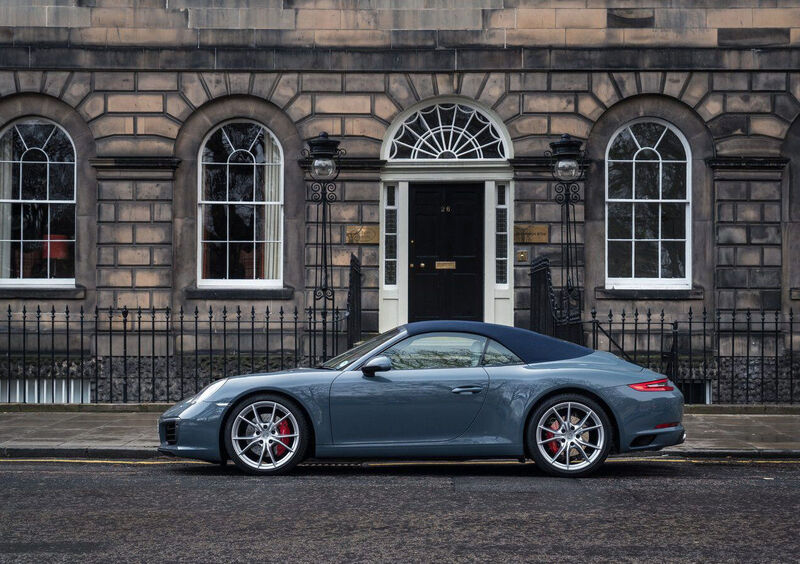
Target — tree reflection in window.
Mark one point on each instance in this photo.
(241, 206)
(648, 207)
(437, 350)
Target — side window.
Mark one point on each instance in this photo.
(437, 350)
(497, 355)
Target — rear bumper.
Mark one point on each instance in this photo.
(640, 413)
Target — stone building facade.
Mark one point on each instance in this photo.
(442, 106)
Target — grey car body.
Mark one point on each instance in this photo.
(416, 414)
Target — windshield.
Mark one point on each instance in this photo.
(347, 358)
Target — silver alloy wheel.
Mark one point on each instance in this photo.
(570, 435)
(259, 436)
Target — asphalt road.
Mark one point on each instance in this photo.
(661, 510)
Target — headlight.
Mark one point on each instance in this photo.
(208, 391)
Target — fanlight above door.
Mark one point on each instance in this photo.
(447, 131)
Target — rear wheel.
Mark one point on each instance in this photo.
(266, 434)
(569, 435)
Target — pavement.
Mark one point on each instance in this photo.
(134, 434)
(657, 509)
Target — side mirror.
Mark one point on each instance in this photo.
(376, 364)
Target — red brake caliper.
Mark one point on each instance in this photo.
(283, 429)
(552, 446)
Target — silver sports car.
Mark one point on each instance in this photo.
(435, 389)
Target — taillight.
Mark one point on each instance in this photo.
(667, 425)
(653, 386)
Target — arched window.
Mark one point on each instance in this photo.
(448, 130)
(648, 207)
(37, 204)
(240, 207)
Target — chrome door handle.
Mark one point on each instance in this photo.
(467, 390)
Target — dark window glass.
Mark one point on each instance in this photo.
(498, 355)
(646, 221)
(673, 221)
(619, 221)
(646, 259)
(646, 180)
(437, 350)
(670, 148)
(673, 181)
(647, 133)
(619, 259)
(673, 258)
(623, 147)
(620, 181)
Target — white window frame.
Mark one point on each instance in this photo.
(45, 282)
(633, 283)
(235, 284)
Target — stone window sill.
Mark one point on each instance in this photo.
(696, 293)
(286, 293)
(76, 292)
(794, 293)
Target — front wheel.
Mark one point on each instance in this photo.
(569, 435)
(266, 434)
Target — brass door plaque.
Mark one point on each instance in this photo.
(533, 233)
(362, 234)
(445, 265)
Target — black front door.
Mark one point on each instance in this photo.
(445, 274)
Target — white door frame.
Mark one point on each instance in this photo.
(498, 299)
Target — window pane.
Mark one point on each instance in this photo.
(497, 355)
(268, 222)
(646, 224)
(647, 133)
(59, 148)
(62, 258)
(241, 178)
(501, 245)
(646, 260)
(215, 222)
(501, 195)
(62, 221)
(216, 149)
(436, 350)
(620, 180)
(673, 257)
(215, 179)
(391, 221)
(62, 181)
(215, 260)
(623, 146)
(671, 148)
(244, 135)
(500, 219)
(34, 262)
(242, 261)
(10, 221)
(390, 196)
(646, 180)
(268, 265)
(619, 221)
(34, 176)
(268, 183)
(241, 223)
(619, 259)
(501, 271)
(391, 272)
(673, 221)
(673, 181)
(9, 259)
(34, 221)
(391, 247)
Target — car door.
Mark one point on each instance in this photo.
(432, 393)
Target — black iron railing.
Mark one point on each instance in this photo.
(720, 357)
(63, 355)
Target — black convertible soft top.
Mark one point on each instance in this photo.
(529, 346)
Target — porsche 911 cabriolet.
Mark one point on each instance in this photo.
(434, 389)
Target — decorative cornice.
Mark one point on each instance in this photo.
(748, 163)
(137, 168)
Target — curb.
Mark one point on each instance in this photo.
(743, 409)
(80, 452)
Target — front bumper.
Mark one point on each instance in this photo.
(192, 430)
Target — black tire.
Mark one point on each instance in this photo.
(574, 445)
(243, 458)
